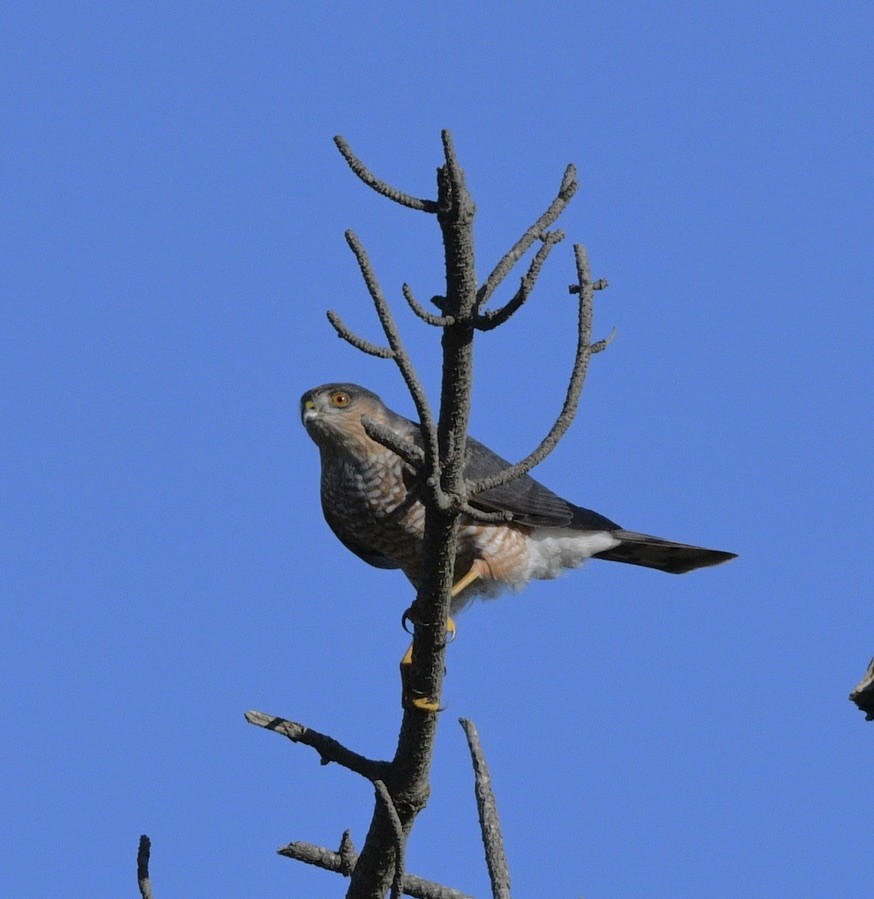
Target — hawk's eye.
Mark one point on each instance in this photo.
(340, 399)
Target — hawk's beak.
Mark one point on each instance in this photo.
(308, 412)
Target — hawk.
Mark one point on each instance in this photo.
(371, 502)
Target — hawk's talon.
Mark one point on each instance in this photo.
(407, 618)
(410, 698)
(428, 705)
(423, 704)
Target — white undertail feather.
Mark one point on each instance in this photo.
(546, 553)
(552, 550)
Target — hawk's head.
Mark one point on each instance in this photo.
(332, 414)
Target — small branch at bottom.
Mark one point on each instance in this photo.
(343, 862)
(490, 825)
(327, 747)
(384, 797)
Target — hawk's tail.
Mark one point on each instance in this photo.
(665, 555)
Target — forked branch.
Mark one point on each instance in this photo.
(535, 232)
(492, 318)
(585, 351)
(344, 861)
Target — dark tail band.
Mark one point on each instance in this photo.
(665, 555)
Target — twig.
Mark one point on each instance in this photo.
(401, 357)
(381, 187)
(600, 345)
(343, 330)
(384, 798)
(329, 749)
(143, 853)
(343, 862)
(486, 517)
(600, 284)
(348, 855)
(490, 825)
(492, 318)
(409, 452)
(440, 321)
(319, 856)
(578, 377)
(520, 248)
(454, 173)
(863, 693)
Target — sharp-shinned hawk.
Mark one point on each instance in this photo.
(371, 503)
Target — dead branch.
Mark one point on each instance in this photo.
(399, 352)
(486, 517)
(381, 187)
(520, 248)
(585, 351)
(348, 854)
(384, 799)
(409, 452)
(344, 861)
(490, 825)
(439, 321)
(492, 318)
(455, 216)
(347, 334)
(600, 284)
(329, 749)
(144, 852)
(863, 693)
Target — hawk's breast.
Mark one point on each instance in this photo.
(369, 504)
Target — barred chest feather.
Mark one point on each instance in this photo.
(369, 503)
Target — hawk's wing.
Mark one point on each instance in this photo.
(527, 500)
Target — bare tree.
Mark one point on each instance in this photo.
(401, 786)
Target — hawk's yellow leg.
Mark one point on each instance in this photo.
(423, 702)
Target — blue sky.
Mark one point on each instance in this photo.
(173, 215)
